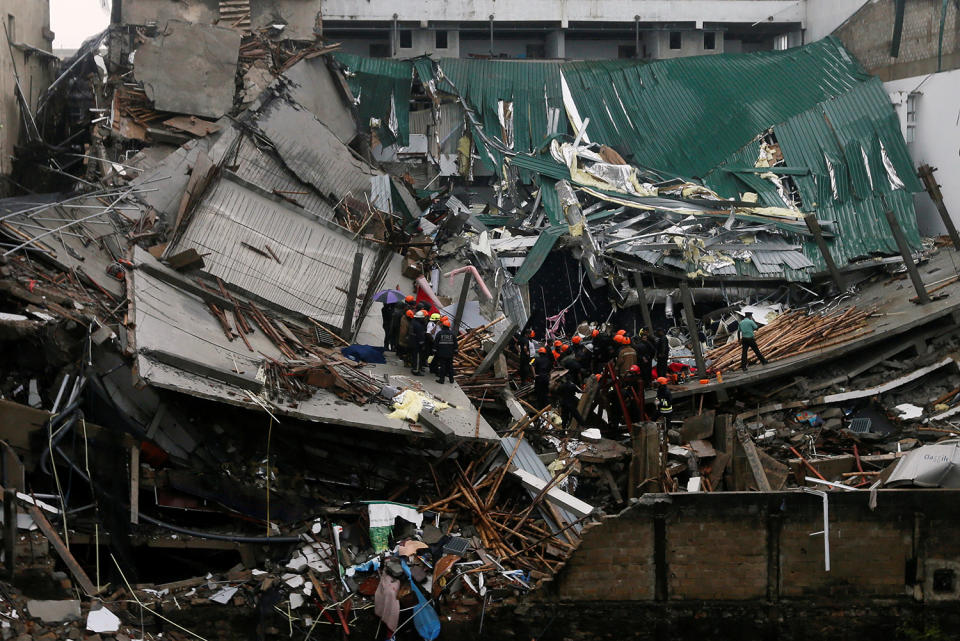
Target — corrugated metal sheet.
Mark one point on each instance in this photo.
(538, 253)
(312, 152)
(262, 169)
(380, 85)
(527, 460)
(316, 262)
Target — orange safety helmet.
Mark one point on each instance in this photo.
(618, 338)
(662, 380)
(557, 343)
(625, 341)
(411, 299)
(542, 350)
(444, 318)
(594, 333)
(533, 334)
(446, 322)
(576, 340)
(564, 348)
(634, 369)
(409, 313)
(621, 332)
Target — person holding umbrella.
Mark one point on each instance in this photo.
(390, 298)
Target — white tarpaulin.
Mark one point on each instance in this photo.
(929, 466)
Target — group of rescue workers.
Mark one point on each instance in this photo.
(620, 363)
(424, 339)
(630, 364)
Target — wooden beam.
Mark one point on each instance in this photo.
(753, 458)
(925, 172)
(352, 295)
(905, 253)
(135, 484)
(692, 326)
(554, 495)
(79, 575)
(814, 226)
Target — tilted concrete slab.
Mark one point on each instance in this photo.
(190, 68)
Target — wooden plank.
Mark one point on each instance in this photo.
(753, 458)
(554, 495)
(135, 484)
(79, 575)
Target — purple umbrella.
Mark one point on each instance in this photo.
(389, 296)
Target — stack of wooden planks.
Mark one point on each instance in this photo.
(469, 356)
(795, 332)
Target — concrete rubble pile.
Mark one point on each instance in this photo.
(209, 401)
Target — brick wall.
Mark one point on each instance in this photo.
(868, 33)
(743, 546)
(614, 562)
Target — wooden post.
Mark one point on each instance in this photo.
(904, 248)
(925, 172)
(692, 326)
(644, 308)
(462, 301)
(814, 226)
(9, 529)
(135, 484)
(352, 295)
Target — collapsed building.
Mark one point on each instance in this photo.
(192, 358)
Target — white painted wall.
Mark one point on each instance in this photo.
(936, 141)
(698, 11)
(823, 16)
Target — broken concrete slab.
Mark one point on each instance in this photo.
(159, 12)
(698, 427)
(54, 611)
(286, 19)
(315, 86)
(190, 68)
(311, 150)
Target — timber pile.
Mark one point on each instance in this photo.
(469, 356)
(505, 518)
(298, 379)
(794, 333)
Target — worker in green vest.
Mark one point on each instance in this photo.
(747, 327)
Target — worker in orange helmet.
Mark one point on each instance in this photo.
(445, 349)
(626, 357)
(542, 365)
(410, 300)
(576, 339)
(403, 336)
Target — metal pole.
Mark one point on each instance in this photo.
(352, 295)
(814, 226)
(10, 528)
(904, 248)
(462, 301)
(925, 172)
(491, 34)
(642, 295)
(692, 326)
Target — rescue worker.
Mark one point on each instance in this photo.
(403, 336)
(626, 357)
(386, 313)
(662, 348)
(646, 353)
(664, 397)
(569, 361)
(603, 346)
(521, 346)
(445, 349)
(557, 347)
(416, 343)
(566, 394)
(433, 327)
(542, 365)
(747, 327)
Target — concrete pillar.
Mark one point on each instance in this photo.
(555, 44)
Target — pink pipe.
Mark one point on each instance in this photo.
(476, 276)
(425, 286)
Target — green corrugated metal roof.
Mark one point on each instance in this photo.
(375, 81)
(697, 117)
(538, 253)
